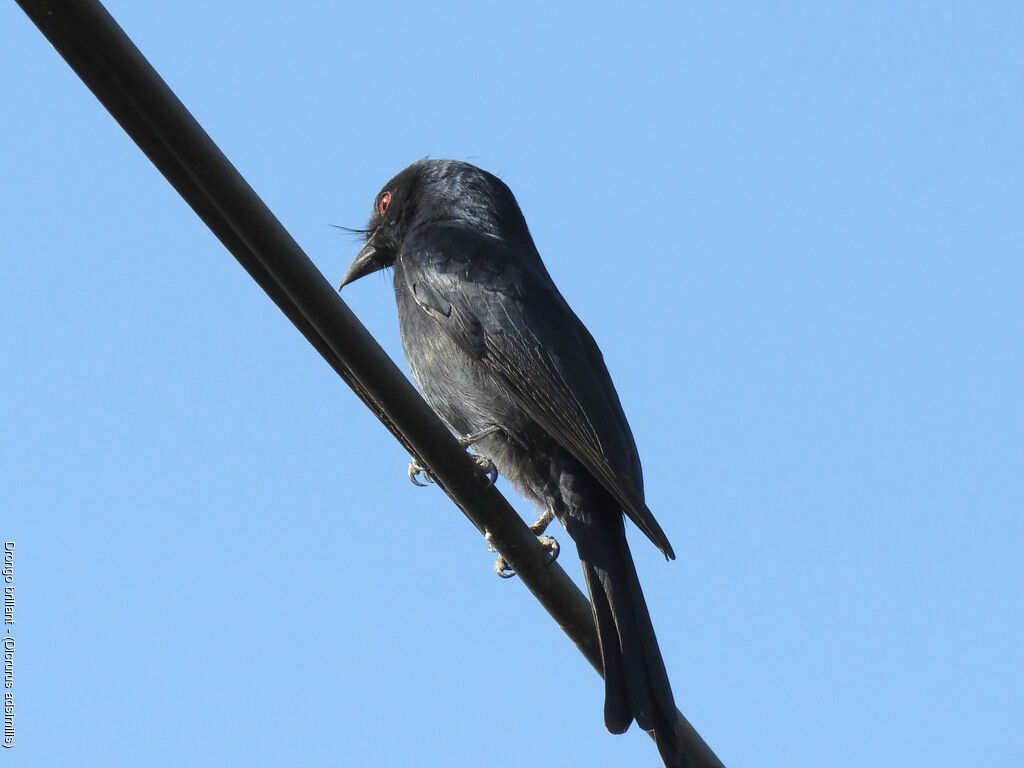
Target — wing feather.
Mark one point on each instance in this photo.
(479, 291)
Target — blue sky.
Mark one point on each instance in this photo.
(795, 229)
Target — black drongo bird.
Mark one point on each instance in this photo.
(499, 355)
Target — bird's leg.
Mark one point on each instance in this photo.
(416, 469)
(485, 464)
(549, 543)
(543, 522)
(473, 437)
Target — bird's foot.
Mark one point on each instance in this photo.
(502, 568)
(548, 543)
(490, 471)
(551, 548)
(416, 469)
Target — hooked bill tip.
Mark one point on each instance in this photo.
(364, 263)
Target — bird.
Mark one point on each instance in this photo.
(499, 355)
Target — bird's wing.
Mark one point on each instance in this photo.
(499, 304)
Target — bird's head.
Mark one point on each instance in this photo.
(435, 192)
(389, 221)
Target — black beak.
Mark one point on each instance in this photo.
(365, 263)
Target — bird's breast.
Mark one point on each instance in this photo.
(453, 381)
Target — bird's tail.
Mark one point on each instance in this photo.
(636, 683)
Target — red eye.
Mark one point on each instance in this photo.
(384, 202)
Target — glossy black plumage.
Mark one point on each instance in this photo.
(491, 342)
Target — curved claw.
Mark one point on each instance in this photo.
(551, 546)
(490, 471)
(501, 566)
(415, 470)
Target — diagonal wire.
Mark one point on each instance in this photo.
(98, 50)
